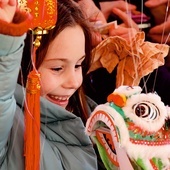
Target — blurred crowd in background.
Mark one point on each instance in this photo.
(150, 16)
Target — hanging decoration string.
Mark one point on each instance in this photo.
(44, 17)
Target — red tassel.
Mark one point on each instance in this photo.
(32, 122)
(44, 17)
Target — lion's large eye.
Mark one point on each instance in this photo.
(146, 110)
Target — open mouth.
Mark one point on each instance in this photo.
(59, 100)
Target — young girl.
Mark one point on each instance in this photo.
(62, 60)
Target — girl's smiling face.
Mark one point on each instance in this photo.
(61, 70)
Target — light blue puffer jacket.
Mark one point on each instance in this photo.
(64, 145)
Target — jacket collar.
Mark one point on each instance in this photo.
(57, 124)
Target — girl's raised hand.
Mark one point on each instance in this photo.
(7, 10)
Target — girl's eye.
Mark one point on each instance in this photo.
(78, 65)
(56, 69)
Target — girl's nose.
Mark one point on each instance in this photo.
(73, 80)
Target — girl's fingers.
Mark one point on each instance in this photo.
(4, 3)
(7, 10)
(12, 2)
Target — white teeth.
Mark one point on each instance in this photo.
(59, 98)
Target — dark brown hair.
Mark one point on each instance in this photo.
(69, 15)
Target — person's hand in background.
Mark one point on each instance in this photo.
(127, 29)
(160, 11)
(94, 15)
(107, 7)
(153, 3)
(91, 11)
